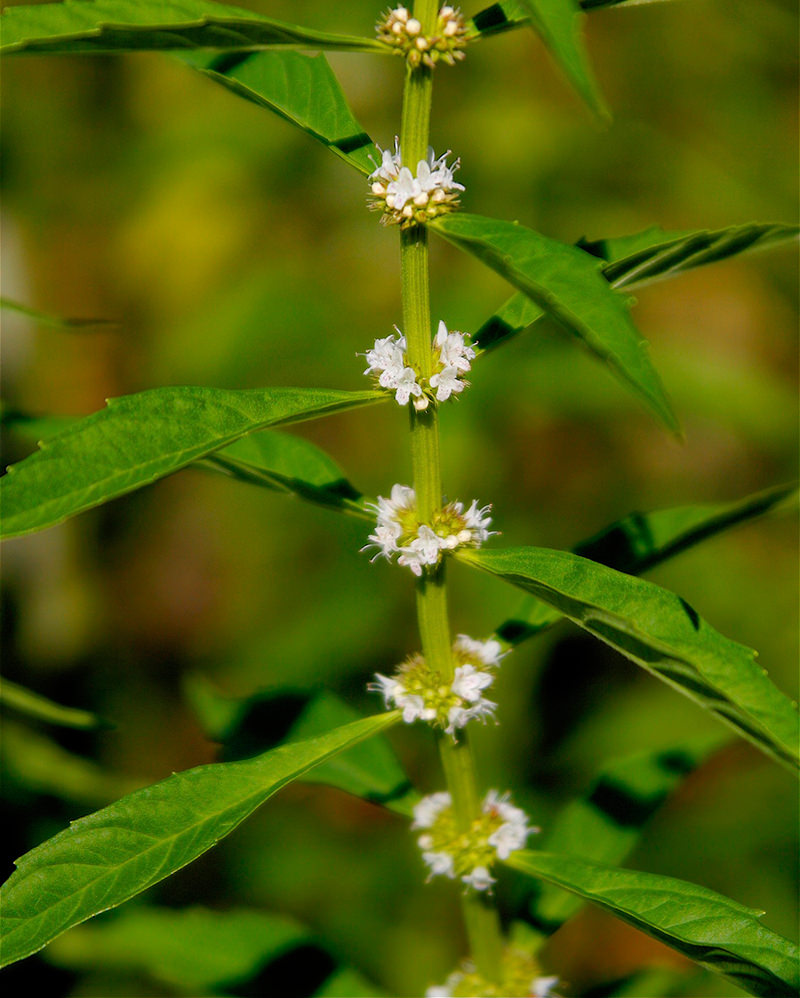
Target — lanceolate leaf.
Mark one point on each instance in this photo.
(568, 285)
(34, 705)
(710, 929)
(140, 438)
(516, 14)
(112, 855)
(300, 88)
(641, 541)
(141, 25)
(605, 824)
(662, 633)
(641, 258)
(54, 321)
(558, 23)
(653, 255)
(289, 464)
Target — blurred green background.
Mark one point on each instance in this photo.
(236, 252)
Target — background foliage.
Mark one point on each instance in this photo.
(235, 253)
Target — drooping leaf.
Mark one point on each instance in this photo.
(707, 927)
(641, 541)
(140, 438)
(660, 632)
(641, 258)
(144, 25)
(54, 321)
(249, 725)
(193, 950)
(34, 705)
(110, 856)
(300, 88)
(605, 824)
(292, 465)
(558, 23)
(568, 285)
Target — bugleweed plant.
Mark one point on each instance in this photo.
(466, 832)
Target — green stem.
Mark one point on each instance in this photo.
(480, 915)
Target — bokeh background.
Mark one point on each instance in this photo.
(234, 251)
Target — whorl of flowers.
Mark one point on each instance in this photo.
(452, 358)
(422, 695)
(406, 199)
(519, 978)
(418, 545)
(499, 830)
(403, 33)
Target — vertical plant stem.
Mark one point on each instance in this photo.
(480, 915)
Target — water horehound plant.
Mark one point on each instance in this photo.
(466, 832)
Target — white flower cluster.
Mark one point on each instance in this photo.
(422, 695)
(406, 199)
(403, 33)
(458, 985)
(500, 830)
(452, 358)
(420, 545)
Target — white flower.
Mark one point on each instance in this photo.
(469, 682)
(452, 348)
(477, 522)
(479, 879)
(458, 717)
(488, 652)
(387, 686)
(406, 385)
(389, 528)
(409, 199)
(514, 831)
(428, 808)
(446, 382)
(440, 863)
(425, 549)
(542, 987)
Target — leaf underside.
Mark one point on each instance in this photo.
(660, 632)
(714, 931)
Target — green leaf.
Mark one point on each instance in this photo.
(559, 24)
(371, 772)
(660, 632)
(140, 438)
(641, 258)
(249, 725)
(144, 25)
(568, 285)
(654, 255)
(194, 950)
(300, 88)
(31, 704)
(707, 927)
(55, 321)
(291, 465)
(605, 824)
(516, 14)
(640, 541)
(110, 856)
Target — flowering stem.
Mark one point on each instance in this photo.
(480, 915)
